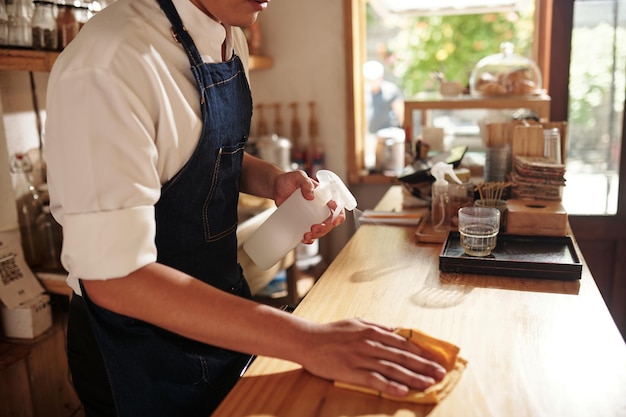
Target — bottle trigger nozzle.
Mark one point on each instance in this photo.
(439, 171)
(337, 191)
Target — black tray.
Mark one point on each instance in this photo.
(544, 257)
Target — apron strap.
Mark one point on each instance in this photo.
(179, 32)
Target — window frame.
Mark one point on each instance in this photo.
(355, 31)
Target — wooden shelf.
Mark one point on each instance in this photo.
(18, 59)
(472, 102)
(259, 62)
(540, 104)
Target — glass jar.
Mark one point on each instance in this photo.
(44, 26)
(4, 24)
(51, 235)
(28, 208)
(19, 18)
(67, 24)
(505, 74)
(82, 14)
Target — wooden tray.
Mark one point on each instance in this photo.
(543, 257)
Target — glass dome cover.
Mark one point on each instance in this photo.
(505, 74)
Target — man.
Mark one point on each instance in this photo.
(148, 113)
(384, 101)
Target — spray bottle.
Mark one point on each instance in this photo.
(282, 231)
(440, 203)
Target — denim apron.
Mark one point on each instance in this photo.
(153, 372)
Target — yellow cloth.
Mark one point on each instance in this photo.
(445, 353)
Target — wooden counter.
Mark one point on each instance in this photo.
(535, 347)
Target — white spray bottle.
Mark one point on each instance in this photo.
(284, 229)
(440, 202)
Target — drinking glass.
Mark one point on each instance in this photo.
(478, 227)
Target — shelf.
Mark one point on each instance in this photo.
(15, 59)
(18, 59)
(537, 103)
(259, 62)
(471, 102)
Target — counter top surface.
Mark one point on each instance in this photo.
(534, 347)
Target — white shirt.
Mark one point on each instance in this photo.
(123, 116)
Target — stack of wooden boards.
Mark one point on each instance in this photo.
(536, 182)
(532, 175)
(535, 178)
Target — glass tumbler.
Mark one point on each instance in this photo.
(478, 229)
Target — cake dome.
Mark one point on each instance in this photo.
(505, 74)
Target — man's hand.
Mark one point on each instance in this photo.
(287, 183)
(369, 355)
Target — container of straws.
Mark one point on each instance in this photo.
(491, 195)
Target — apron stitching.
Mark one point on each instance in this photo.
(209, 197)
(218, 83)
(175, 178)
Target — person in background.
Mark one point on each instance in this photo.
(384, 101)
(148, 112)
(384, 115)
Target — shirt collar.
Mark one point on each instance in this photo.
(207, 34)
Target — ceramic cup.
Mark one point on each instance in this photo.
(478, 228)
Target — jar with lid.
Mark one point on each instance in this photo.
(505, 74)
(51, 235)
(19, 16)
(67, 24)
(28, 208)
(44, 26)
(94, 6)
(82, 14)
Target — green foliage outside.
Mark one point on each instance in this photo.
(450, 45)
(592, 71)
(414, 48)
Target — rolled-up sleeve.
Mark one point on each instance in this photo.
(104, 172)
(109, 244)
(123, 117)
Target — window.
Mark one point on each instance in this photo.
(596, 106)
(596, 87)
(416, 45)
